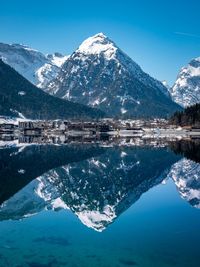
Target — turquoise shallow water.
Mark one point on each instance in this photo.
(145, 201)
(161, 229)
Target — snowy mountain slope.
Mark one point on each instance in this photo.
(100, 74)
(186, 90)
(32, 64)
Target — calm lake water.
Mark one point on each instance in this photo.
(96, 205)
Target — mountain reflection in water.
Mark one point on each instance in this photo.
(97, 183)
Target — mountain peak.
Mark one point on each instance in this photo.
(101, 35)
(97, 44)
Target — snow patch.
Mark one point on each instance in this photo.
(123, 110)
(21, 171)
(22, 93)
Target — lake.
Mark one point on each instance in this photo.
(100, 204)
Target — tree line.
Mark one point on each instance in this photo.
(188, 117)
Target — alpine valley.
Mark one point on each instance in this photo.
(99, 140)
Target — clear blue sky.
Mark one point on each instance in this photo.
(159, 35)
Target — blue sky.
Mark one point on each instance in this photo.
(161, 36)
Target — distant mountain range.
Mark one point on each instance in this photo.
(36, 67)
(20, 98)
(97, 74)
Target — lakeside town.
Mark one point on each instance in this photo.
(45, 131)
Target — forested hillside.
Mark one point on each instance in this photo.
(189, 116)
(20, 97)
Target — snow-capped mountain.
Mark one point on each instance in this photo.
(186, 175)
(32, 64)
(101, 75)
(186, 90)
